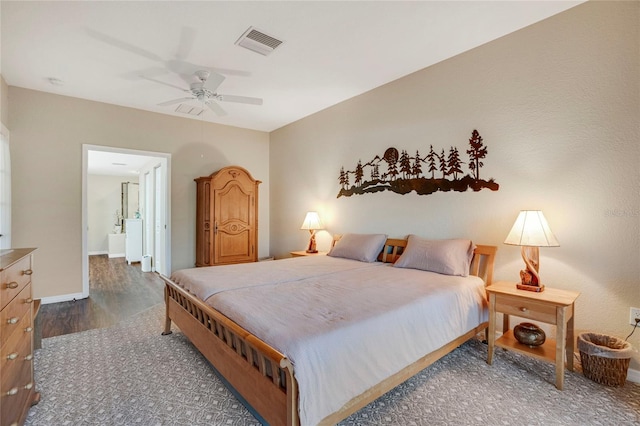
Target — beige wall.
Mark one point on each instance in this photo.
(4, 102)
(557, 104)
(104, 197)
(47, 133)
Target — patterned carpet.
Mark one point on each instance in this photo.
(131, 375)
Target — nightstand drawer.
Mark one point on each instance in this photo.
(524, 308)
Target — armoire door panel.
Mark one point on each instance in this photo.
(234, 248)
(227, 219)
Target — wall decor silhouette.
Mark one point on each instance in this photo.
(401, 173)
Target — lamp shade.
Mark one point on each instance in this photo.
(312, 221)
(531, 229)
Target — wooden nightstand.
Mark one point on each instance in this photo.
(304, 253)
(552, 306)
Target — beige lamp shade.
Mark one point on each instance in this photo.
(531, 229)
(312, 222)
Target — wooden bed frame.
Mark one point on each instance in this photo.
(261, 374)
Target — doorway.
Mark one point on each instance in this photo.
(154, 205)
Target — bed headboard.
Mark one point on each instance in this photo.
(481, 265)
(484, 258)
(391, 251)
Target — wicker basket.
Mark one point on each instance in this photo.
(605, 359)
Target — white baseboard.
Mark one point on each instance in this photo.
(62, 298)
(111, 256)
(633, 375)
(94, 253)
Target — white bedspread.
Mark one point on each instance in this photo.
(345, 332)
(207, 281)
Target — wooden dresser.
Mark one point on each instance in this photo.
(227, 217)
(17, 387)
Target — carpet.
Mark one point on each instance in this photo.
(129, 374)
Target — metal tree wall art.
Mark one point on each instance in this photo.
(402, 173)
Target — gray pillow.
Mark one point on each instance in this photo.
(362, 247)
(449, 257)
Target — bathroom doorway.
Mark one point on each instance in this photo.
(152, 205)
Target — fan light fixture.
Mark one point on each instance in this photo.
(531, 231)
(204, 90)
(312, 223)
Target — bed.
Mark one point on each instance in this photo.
(312, 340)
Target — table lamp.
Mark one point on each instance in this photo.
(312, 223)
(531, 231)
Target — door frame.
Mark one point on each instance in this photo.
(85, 221)
(5, 188)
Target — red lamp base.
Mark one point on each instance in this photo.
(536, 288)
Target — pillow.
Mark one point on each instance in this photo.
(363, 247)
(449, 257)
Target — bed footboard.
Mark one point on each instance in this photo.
(261, 374)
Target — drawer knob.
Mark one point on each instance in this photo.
(523, 309)
(12, 356)
(13, 320)
(28, 386)
(28, 329)
(28, 357)
(12, 285)
(29, 300)
(28, 272)
(12, 391)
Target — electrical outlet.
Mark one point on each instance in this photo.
(634, 313)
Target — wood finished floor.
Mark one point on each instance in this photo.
(117, 291)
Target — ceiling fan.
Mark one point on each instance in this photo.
(178, 64)
(203, 89)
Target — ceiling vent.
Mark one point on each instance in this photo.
(189, 109)
(258, 41)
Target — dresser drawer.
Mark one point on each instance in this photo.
(14, 279)
(525, 308)
(18, 347)
(16, 393)
(16, 375)
(12, 316)
(16, 372)
(17, 387)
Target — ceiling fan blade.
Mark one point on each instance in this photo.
(164, 83)
(216, 108)
(147, 72)
(227, 71)
(187, 37)
(214, 81)
(240, 99)
(187, 72)
(123, 45)
(180, 66)
(175, 101)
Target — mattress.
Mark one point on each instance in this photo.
(207, 281)
(349, 329)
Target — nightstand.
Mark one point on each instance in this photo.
(552, 306)
(304, 253)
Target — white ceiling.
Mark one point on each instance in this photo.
(108, 163)
(332, 51)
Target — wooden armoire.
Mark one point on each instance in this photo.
(227, 217)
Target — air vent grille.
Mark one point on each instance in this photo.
(189, 109)
(259, 42)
